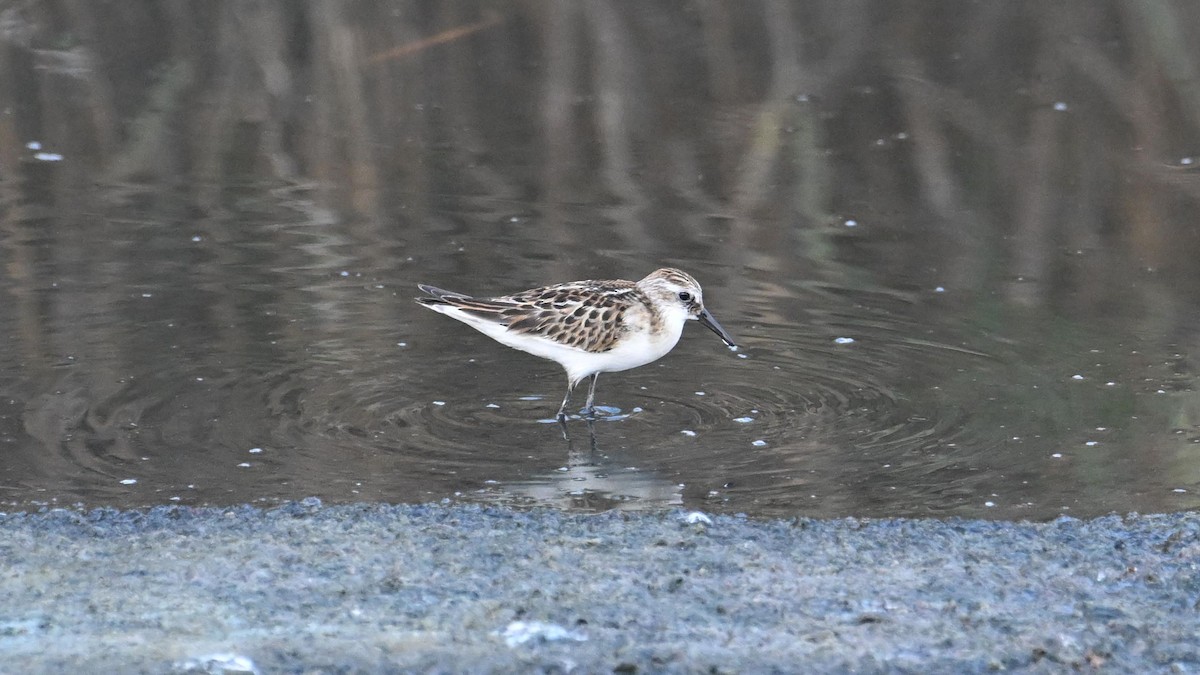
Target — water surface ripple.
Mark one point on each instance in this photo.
(960, 262)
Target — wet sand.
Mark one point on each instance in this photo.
(371, 588)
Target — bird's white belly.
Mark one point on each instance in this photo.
(631, 352)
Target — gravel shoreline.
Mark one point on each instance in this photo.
(379, 588)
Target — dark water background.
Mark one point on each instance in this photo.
(958, 241)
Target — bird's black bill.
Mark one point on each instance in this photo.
(710, 323)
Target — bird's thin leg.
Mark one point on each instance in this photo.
(591, 409)
(562, 409)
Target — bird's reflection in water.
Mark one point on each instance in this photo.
(594, 481)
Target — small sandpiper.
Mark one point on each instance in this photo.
(588, 327)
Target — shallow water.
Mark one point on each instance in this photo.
(962, 286)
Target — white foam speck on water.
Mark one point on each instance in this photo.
(529, 398)
(700, 393)
(697, 517)
(688, 432)
(48, 157)
(1076, 377)
(33, 145)
(1091, 443)
(759, 443)
(1060, 106)
(843, 340)
(850, 222)
(254, 451)
(1057, 455)
(128, 481)
(439, 402)
(491, 405)
(743, 420)
(244, 465)
(940, 289)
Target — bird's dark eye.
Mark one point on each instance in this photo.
(685, 296)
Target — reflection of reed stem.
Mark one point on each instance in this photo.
(1175, 53)
(441, 38)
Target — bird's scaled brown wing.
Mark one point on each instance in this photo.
(585, 315)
